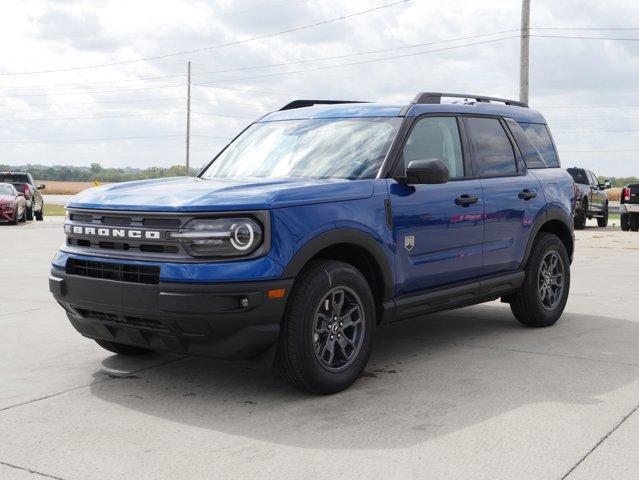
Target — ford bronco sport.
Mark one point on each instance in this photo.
(320, 222)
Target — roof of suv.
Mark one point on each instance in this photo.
(352, 110)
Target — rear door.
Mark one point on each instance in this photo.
(513, 196)
(438, 228)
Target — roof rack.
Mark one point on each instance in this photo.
(436, 97)
(309, 103)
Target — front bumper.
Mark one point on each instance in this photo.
(222, 320)
(629, 208)
(8, 214)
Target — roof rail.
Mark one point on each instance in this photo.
(309, 103)
(436, 97)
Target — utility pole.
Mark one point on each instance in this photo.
(524, 51)
(188, 116)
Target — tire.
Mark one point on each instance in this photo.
(29, 214)
(528, 305)
(15, 219)
(580, 217)
(39, 215)
(304, 355)
(23, 218)
(625, 222)
(634, 222)
(122, 349)
(603, 221)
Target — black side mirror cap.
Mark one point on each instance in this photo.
(426, 171)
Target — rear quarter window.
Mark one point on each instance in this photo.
(578, 175)
(540, 137)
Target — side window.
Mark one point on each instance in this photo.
(593, 179)
(540, 137)
(436, 137)
(532, 157)
(492, 151)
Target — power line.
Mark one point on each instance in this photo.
(105, 139)
(579, 37)
(97, 101)
(93, 117)
(255, 67)
(587, 28)
(203, 49)
(154, 87)
(361, 62)
(600, 151)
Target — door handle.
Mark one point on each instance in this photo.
(527, 194)
(465, 200)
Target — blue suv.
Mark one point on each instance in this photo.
(318, 223)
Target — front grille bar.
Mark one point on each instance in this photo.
(114, 271)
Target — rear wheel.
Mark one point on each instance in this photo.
(634, 222)
(542, 298)
(580, 217)
(122, 349)
(625, 222)
(603, 221)
(327, 330)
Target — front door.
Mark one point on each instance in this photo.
(438, 229)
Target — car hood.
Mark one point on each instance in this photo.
(197, 194)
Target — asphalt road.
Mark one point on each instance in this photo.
(462, 394)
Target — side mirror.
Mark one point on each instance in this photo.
(42, 186)
(427, 171)
(20, 194)
(607, 184)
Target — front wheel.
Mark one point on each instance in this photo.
(23, 217)
(542, 298)
(327, 330)
(29, 213)
(122, 349)
(39, 215)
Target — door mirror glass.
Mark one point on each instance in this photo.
(607, 184)
(427, 171)
(41, 186)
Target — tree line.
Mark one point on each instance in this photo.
(67, 173)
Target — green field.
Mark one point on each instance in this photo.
(53, 210)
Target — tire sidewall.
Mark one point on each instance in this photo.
(547, 243)
(337, 274)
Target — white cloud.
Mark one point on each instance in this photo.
(43, 35)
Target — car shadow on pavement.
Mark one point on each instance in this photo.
(427, 377)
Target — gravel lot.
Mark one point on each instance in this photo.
(462, 394)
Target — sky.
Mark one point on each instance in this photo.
(252, 57)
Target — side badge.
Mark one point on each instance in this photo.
(409, 242)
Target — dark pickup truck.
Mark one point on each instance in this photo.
(591, 200)
(629, 207)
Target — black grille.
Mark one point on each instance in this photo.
(126, 319)
(114, 271)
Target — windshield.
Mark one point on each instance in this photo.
(579, 176)
(351, 148)
(6, 190)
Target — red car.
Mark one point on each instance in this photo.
(13, 206)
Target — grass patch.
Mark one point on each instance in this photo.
(54, 210)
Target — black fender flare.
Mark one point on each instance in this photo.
(553, 213)
(340, 236)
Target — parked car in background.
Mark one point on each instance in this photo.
(13, 206)
(25, 183)
(591, 200)
(629, 207)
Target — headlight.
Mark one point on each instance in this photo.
(220, 237)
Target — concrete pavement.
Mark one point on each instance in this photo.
(462, 394)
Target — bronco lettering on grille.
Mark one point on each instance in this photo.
(116, 232)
